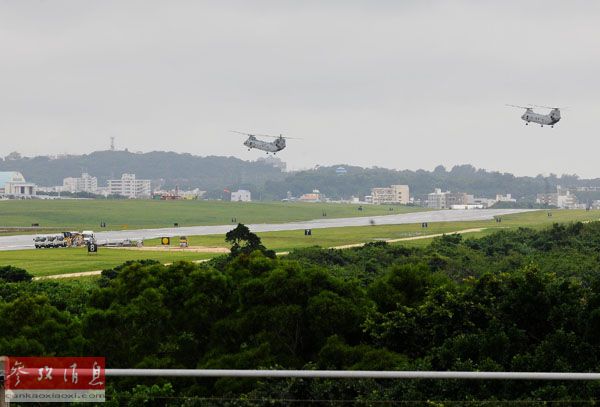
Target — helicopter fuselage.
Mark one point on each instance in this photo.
(268, 146)
(549, 119)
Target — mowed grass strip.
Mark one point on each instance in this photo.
(136, 214)
(47, 262)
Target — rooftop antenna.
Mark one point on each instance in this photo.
(112, 144)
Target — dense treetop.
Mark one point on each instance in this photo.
(519, 300)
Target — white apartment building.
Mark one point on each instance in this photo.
(241, 195)
(562, 198)
(396, 194)
(445, 200)
(130, 187)
(85, 183)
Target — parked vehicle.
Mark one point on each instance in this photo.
(50, 241)
(60, 241)
(88, 236)
(39, 242)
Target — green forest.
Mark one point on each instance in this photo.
(520, 300)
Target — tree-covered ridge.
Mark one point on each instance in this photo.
(167, 168)
(358, 181)
(214, 174)
(520, 300)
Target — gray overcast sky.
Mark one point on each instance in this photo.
(395, 84)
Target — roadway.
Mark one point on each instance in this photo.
(20, 242)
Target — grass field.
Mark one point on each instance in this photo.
(137, 214)
(63, 261)
(73, 260)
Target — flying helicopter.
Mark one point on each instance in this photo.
(549, 119)
(268, 146)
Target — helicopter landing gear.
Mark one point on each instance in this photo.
(526, 123)
(552, 126)
(541, 125)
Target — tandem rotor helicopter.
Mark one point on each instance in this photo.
(268, 146)
(549, 119)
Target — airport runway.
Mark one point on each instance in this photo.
(20, 242)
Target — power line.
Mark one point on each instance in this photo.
(352, 374)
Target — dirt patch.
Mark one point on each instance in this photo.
(192, 249)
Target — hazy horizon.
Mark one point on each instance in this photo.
(288, 169)
(390, 84)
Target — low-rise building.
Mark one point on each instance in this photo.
(396, 194)
(469, 206)
(241, 195)
(484, 202)
(12, 183)
(505, 198)
(130, 186)
(315, 196)
(550, 199)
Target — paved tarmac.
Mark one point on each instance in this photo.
(20, 242)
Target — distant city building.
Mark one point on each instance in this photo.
(241, 195)
(505, 198)
(12, 183)
(550, 199)
(85, 183)
(436, 199)
(176, 194)
(445, 200)
(315, 196)
(396, 194)
(130, 187)
(456, 198)
(46, 190)
(562, 198)
(468, 206)
(341, 171)
(483, 202)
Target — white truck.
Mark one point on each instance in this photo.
(88, 236)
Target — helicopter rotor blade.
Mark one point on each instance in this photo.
(265, 135)
(248, 134)
(549, 107)
(280, 136)
(520, 107)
